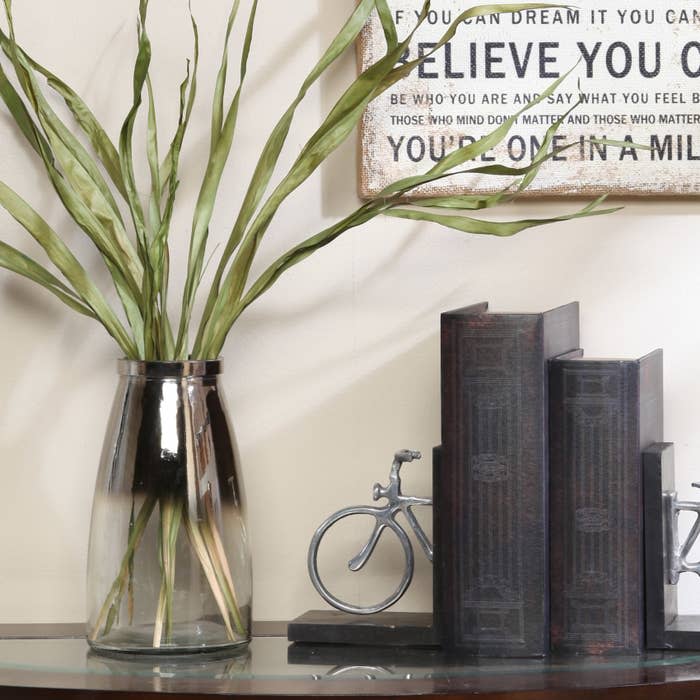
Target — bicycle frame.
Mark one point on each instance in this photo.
(385, 517)
(398, 503)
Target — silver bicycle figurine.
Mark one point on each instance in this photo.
(385, 519)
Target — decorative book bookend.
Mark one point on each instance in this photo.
(491, 537)
(603, 414)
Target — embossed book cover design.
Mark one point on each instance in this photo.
(492, 533)
(603, 414)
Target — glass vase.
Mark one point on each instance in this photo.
(169, 567)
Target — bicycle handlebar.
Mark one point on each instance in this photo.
(407, 456)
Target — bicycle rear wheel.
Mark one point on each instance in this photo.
(380, 528)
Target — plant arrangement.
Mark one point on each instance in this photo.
(95, 180)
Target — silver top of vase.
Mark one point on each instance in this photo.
(159, 370)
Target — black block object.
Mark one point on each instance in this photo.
(665, 628)
(492, 535)
(344, 656)
(381, 629)
(603, 414)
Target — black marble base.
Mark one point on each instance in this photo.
(382, 629)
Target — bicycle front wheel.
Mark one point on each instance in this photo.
(357, 562)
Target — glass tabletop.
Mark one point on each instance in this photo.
(272, 663)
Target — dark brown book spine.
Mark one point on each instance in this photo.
(491, 536)
(603, 413)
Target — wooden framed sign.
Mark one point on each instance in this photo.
(636, 71)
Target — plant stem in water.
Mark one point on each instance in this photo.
(171, 518)
(200, 549)
(110, 608)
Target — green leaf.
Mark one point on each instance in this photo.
(15, 261)
(67, 263)
(143, 61)
(300, 252)
(86, 120)
(20, 113)
(171, 160)
(153, 161)
(496, 228)
(472, 150)
(209, 189)
(217, 118)
(141, 67)
(388, 25)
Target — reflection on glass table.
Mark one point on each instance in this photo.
(271, 665)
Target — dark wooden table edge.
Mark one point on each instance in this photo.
(677, 691)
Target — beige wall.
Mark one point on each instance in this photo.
(339, 365)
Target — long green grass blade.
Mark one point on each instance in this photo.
(143, 61)
(84, 117)
(208, 192)
(365, 213)
(217, 113)
(170, 163)
(20, 113)
(472, 150)
(336, 127)
(388, 25)
(132, 310)
(153, 158)
(21, 264)
(67, 263)
(469, 202)
(152, 321)
(140, 76)
(496, 228)
(160, 252)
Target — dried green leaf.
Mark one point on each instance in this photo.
(86, 120)
(208, 192)
(67, 263)
(388, 25)
(496, 228)
(21, 264)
